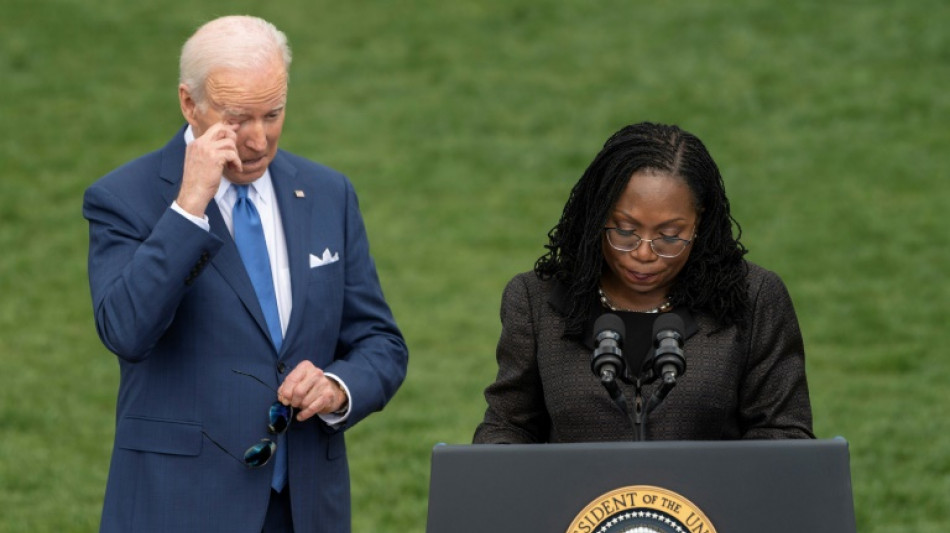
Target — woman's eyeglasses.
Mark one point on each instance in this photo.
(626, 240)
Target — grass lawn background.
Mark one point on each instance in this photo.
(463, 127)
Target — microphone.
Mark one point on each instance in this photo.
(668, 360)
(607, 362)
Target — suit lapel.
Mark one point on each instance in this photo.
(173, 165)
(227, 261)
(294, 199)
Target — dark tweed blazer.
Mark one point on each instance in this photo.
(747, 385)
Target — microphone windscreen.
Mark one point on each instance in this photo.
(668, 321)
(609, 321)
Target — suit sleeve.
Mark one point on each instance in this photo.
(516, 412)
(139, 270)
(773, 397)
(371, 354)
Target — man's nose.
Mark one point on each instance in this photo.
(255, 137)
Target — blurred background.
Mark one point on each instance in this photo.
(463, 126)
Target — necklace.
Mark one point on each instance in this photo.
(605, 301)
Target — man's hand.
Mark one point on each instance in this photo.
(205, 160)
(308, 390)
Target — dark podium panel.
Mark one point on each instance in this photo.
(785, 486)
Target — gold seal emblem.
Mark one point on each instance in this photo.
(641, 509)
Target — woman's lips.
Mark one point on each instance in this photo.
(640, 277)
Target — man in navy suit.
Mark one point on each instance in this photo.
(213, 360)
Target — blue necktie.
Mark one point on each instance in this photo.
(249, 237)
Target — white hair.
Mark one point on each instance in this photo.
(232, 42)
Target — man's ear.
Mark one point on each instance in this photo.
(188, 104)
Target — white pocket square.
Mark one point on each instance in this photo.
(327, 258)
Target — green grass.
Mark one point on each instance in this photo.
(463, 126)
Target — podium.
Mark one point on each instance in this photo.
(780, 486)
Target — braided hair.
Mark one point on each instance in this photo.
(712, 280)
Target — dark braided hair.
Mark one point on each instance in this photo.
(712, 280)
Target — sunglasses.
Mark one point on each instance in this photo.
(279, 420)
(278, 416)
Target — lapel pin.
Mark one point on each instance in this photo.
(298, 193)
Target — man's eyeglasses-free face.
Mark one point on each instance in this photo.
(626, 240)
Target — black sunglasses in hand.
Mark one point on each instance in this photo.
(279, 417)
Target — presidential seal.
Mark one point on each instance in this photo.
(641, 509)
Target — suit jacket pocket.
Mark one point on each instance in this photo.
(329, 274)
(176, 437)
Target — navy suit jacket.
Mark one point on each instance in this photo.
(176, 305)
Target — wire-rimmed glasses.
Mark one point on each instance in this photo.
(627, 240)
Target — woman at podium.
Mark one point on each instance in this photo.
(647, 232)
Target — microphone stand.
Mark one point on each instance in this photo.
(659, 395)
(639, 428)
(607, 379)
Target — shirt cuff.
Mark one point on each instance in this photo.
(337, 418)
(202, 221)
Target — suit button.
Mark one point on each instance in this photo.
(281, 367)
